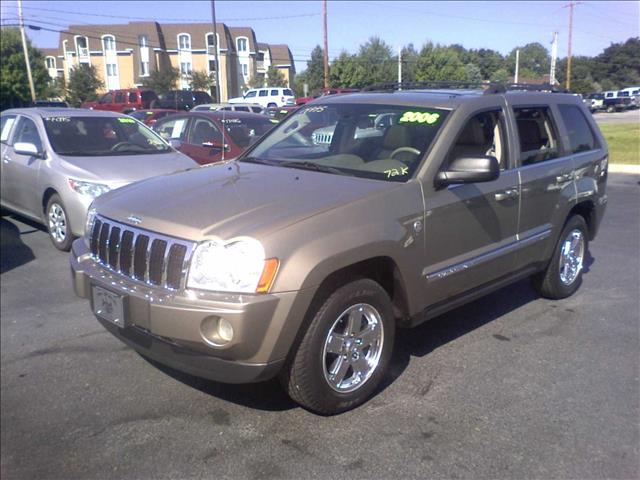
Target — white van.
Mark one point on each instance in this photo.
(267, 97)
(234, 107)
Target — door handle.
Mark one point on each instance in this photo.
(507, 194)
(6, 158)
(566, 177)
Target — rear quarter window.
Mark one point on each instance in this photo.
(581, 138)
(287, 92)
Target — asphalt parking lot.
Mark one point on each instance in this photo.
(628, 116)
(511, 386)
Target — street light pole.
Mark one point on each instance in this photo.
(26, 52)
(215, 49)
(326, 45)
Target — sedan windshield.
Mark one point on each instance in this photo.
(383, 142)
(101, 136)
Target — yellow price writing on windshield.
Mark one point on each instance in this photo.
(419, 117)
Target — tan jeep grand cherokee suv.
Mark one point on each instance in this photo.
(358, 214)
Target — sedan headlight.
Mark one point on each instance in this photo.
(91, 216)
(89, 189)
(235, 266)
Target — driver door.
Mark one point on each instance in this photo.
(470, 229)
(204, 141)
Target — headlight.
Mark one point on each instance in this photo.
(88, 225)
(89, 189)
(235, 266)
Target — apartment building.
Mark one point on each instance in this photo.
(124, 54)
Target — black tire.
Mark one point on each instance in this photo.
(304, 376)
(548, 282)
(61, 242)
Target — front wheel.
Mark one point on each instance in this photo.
(344, 354)
(58, 224)
(563, 275)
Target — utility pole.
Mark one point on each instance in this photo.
(515, 77)
(570, 6)
(399, 64)
(554, 56)
(215, 50)
(326, 45)
(26, 52)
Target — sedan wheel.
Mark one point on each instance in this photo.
(58, 224)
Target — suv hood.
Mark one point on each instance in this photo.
(232, 199)
(121, 170)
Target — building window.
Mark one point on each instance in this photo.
(51, 62)
(143, 41)
(212, 65)
(242, 44)
(109, 43)
(112, 70)
(245, 70)
(144, 69)
(185, 68)
(184, 41)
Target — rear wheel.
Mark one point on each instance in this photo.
(346, 350)
(58, 224)
(563, 275)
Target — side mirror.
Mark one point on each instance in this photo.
(469, 170)
(175, 143)
(23, 148)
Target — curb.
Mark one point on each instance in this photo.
(623, 168)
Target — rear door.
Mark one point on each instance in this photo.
(546, 172)
(470, 229)
(203, 134)
(7, 124)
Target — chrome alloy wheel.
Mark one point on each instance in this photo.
(571, 257)
(352, 348)
(57, 223)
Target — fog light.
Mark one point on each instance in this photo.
(216, 331)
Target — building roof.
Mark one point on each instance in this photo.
(281, 56)
(49, 52)
(198, 32)
(245, 32)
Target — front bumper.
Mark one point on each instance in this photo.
(166, 325)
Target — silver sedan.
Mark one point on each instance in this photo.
(56, 161)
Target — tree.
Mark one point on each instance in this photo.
(489, 61)
(257, 81)
(533, 57)
(376, 63)
(472, 72)
(83, 84)
(14, 84)
(162, 80)
(344, 71)
(298, 84)
(619, 64)
(409, 60)
(315, 70)
(436, 63)
(200, 81)
(275, 78)
(500, 75)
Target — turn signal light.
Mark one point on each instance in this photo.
(268, 275)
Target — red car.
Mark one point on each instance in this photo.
(150, 117)
(209, 137)
(123, 101)
(324, 92)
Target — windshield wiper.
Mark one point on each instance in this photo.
(313, 166)
(261, 161)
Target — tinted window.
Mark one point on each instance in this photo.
(242, 109)
(27, 132)
(147, 95)
(108, 98)
(264, 93)
(482, 135)
(537, 134)
(133, 97)
(101, 136)
(6, 123)
(250, 94)
(274, 93)
(580, 135)
(202, 97)
(256, 109)
(204, 131)
(246, 131)
(287, 92)
(120, 97)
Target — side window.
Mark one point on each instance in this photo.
(242, 109)
(6, 123)
(108, 98)
(27, 132)
(172, 129)
(483, 134)
(287, 92)
(119, 97)
(537, 133)
(580, 135)
(274, 93)
(133, 97)
(203, 131)
(263, 93)
(256, 109)
(250, 94)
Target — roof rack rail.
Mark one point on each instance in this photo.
(488, 88)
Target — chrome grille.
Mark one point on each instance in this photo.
(139, 254)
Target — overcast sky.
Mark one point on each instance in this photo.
(497, 25)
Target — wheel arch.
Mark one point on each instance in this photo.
(587, 210)
(48, 193)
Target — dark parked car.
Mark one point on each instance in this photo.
(150, 117)
(181, 99)
(123, 101)
(201, 135)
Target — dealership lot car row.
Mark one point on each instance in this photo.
(217, 272)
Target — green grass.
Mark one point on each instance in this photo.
(624, 142)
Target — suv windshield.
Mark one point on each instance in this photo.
(383, 142)
(101, 136)
(245, 131)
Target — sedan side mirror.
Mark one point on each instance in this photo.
(469, 170)
(24, 148)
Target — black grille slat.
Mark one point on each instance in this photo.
(126, 252)
(140, 257)
(156, 261)
(177, 254)
(114, 245)
(102, 242)
(95, 236)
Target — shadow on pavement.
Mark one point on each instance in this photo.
(13, 252)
